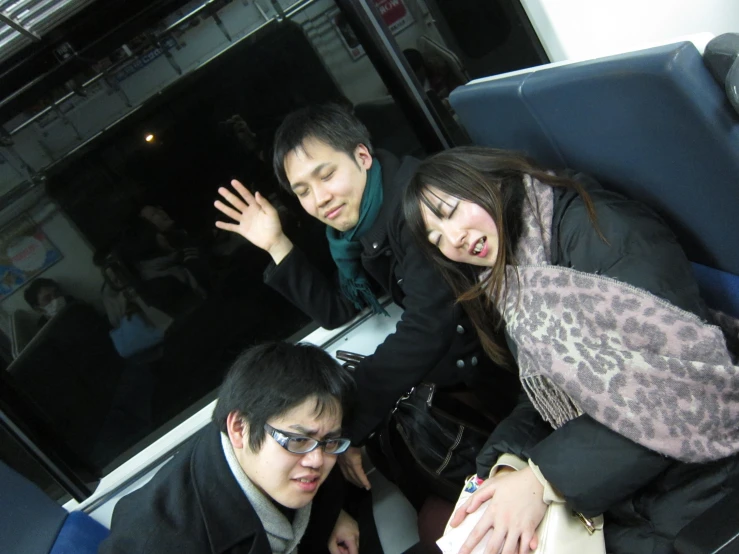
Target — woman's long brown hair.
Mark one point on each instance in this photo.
(492, 179)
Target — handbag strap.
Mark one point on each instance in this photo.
(387, 449)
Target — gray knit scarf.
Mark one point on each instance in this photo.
(642, 367)
(283, 536)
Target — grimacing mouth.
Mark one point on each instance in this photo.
(479, 245)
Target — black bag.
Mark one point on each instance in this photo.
(430, 440)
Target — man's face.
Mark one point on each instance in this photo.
(329, 184)
(291, 480)
(46, 295)
(157, 217)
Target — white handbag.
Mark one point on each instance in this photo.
(562, 531)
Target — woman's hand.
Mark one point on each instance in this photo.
(345, 536)
(515, 510)
(255, 219)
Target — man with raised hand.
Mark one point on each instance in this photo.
(323, 155)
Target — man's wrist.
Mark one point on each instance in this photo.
(280, 249)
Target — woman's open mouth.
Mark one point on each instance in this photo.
(481, 247)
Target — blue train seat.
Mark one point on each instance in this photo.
(656, 126)
(32, 523)
(653, 124)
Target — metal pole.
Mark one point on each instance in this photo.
(385, 54)
(13, 24)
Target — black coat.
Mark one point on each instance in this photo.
(647, 498)
(434, 340)
(194, 505)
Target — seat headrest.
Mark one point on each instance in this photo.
(722, 59)
(652, 124)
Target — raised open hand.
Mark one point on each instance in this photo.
(254, 218)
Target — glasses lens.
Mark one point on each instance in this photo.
(337, 446)
(301, 445)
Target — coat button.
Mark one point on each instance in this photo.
(389, 253)
(460, 329)
(460, 363)
(473, 361)
(400, 281)
(375, 245)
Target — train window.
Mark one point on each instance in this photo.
(121, 304)
(462, 40)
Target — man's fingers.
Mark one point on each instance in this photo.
(232, 199)
(350, 474)
(230, 212)
(333, 547)
(227, 226)
(358, 477)
(263, 203)
(362, 476)
(352, 545)
(243, 191)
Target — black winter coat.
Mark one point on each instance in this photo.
(647, 498)
(434, 340)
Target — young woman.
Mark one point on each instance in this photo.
(631, 404)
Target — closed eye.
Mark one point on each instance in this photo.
(301, 192)
(327, 176)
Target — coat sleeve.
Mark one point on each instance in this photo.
(134, 529)
(594, 467)
(422, 338)
(641, 250)
(298, 280)
(591, 465)
(517, 434)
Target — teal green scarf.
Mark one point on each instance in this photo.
(346, 249)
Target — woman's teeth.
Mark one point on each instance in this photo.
(479, 246)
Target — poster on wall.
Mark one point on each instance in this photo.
(393, 12)
(25, 251)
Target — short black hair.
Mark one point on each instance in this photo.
(415, 60)
(330, 123)
(270, 379)
(31, 293)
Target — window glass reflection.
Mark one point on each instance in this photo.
(120, 303)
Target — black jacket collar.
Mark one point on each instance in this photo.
(228, 515)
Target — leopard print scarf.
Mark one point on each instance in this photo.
(590, 344)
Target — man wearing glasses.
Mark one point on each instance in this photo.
(247, 482)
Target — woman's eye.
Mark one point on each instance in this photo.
(451, 212)
(327, 176)
(301, 193)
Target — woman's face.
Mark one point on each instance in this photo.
(464, 232)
